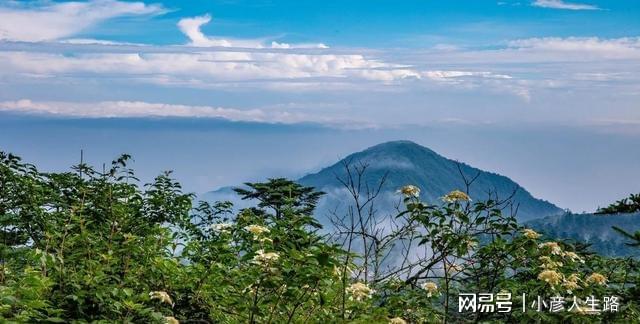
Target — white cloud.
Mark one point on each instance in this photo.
(237, 69)
(573, 50)
(521, 68)
(610, 47)
(559, 4)
(602, 76)
(124, 109)
(191, 27)
(209, 66)
(447, 75)
(54, 21)
(90, 41)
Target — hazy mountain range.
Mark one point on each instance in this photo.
(593, 229)
(403, 162)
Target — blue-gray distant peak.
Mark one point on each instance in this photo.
(405, 162)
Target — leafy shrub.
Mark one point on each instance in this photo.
(90, 246)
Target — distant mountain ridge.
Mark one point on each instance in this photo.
(593, 229)
(405, 162)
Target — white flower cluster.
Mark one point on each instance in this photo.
(222, 228)
(410, 191)
(265, 258)
(359, 291)
(430, 287)
(162, 296)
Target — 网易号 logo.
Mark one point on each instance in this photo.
(504, 302)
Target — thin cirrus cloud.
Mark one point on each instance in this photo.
(54, 21)
(560, 4)
(133, 109)
(192, 28)
(584, 48)
(583, 53)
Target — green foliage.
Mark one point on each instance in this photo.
(623, 206)
(92, 237)
(634, 237)
(90, 246)
(280, 193)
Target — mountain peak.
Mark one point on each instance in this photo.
(406, 162)
(400, 145)
(397, 154)
(403, 163)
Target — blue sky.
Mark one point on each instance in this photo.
(382, 24)
(564, 75)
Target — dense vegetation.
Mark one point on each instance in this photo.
(627, 205)
(96, 246)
